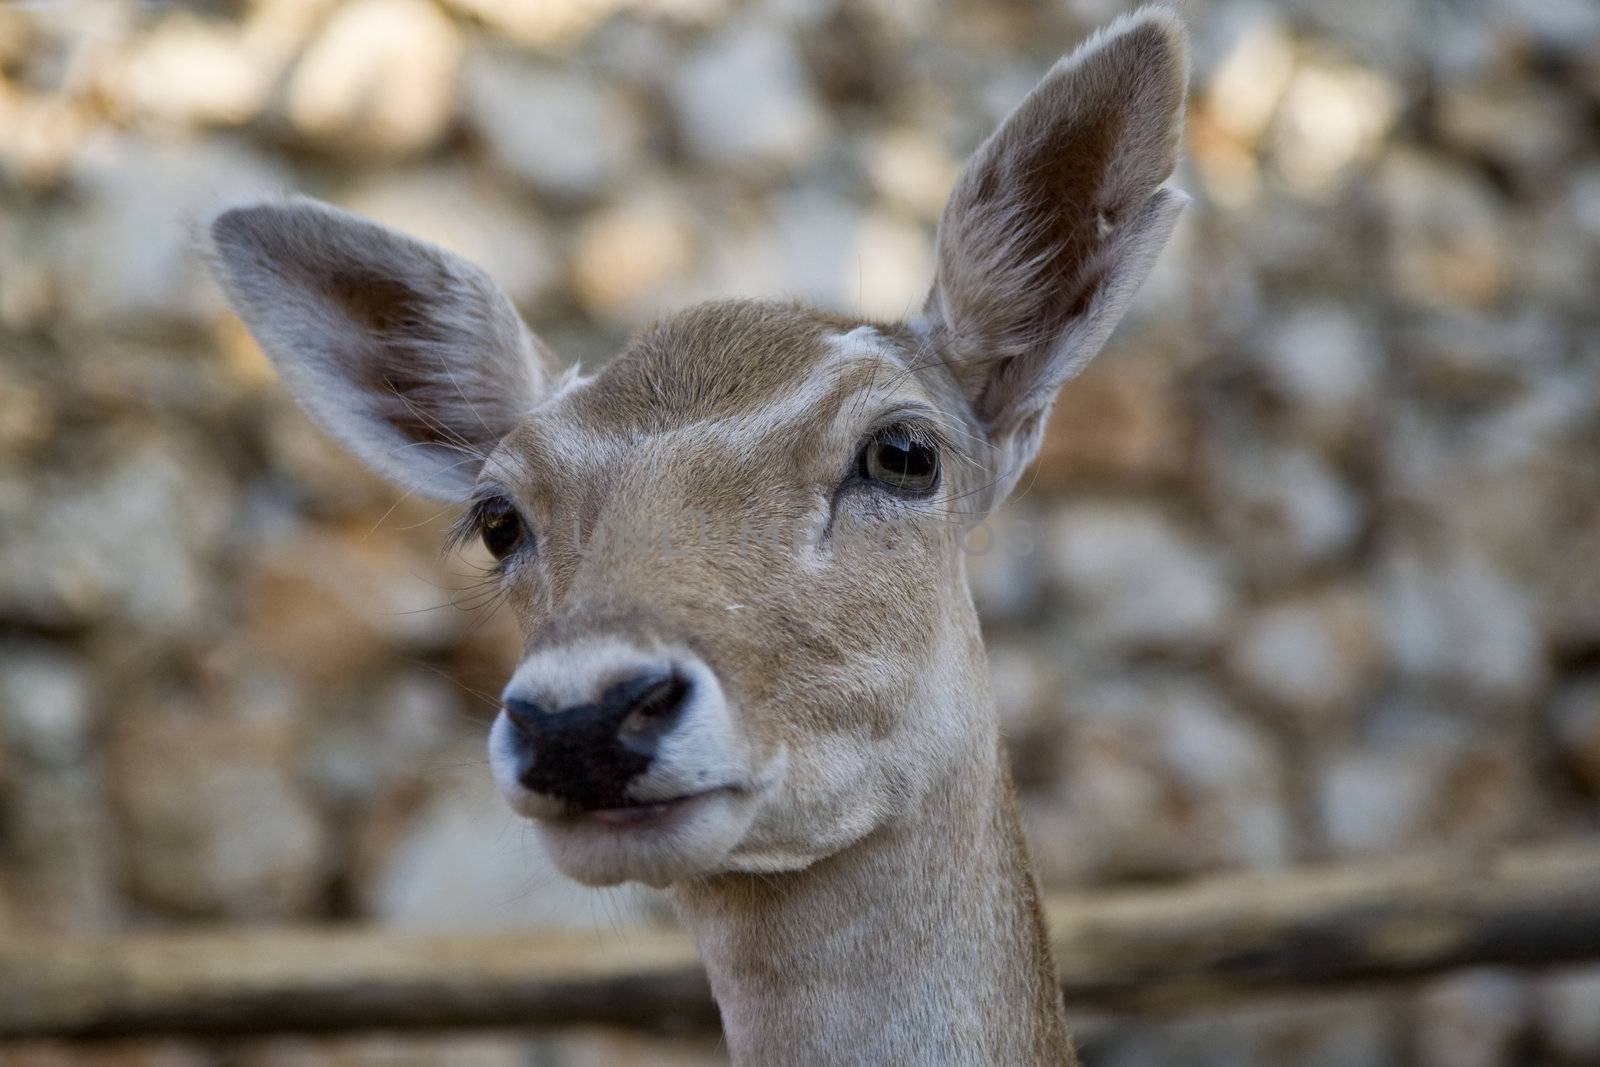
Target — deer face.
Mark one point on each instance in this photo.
(735, 555)
(735, 552)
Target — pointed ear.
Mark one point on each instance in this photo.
(1054, 224)
(406, 353)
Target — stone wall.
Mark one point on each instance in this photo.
(1310, 570)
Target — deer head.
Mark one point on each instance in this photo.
(735, 552)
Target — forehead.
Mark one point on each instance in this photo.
(727, 360)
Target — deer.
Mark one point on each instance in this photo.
(752, 672)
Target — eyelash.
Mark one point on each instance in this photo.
(915, 429)
(470, 526)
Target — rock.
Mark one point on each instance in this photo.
(1516, 123)
(1454, 621)
(743, 101)
(1497, 478)
(464, 861)
(43, 137)
(1554, 264)
(893, 263)
(1448, 245)
(814, 242)
(1583, 200)
(1388, 36)
(132, 541)
(127, 260)
(639, 55)
(60, 850)
(57, 848)
(1472, 1019)
(629, 259)
(828, 250)
(28, 297)
(1325, 362)
(1135, 578)
(1242, 87)
(189, 71)
(29, 413)
(564, 133)
(1161, 777)
(1567, 1013)
(912, 171)
(386, 741)
(1464, 355)
(1022, 690)
(1003, 563)
(328, 607)
(1027, 679)
(320, 476)
(44, 705)
(463, 212)
(1420, 777)
(1560, 25)
(1118, 422)
(1349, 1030)
(1283, 510)
(378, 80)
(1281, 244)
(1332, 118)
(548, 26)
(221, 829)
(280, 29)
(16, 36)
(1574, 611)
(1574, 715)
(1376, 803)
(1314, 655)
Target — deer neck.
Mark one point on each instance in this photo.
(922, 943)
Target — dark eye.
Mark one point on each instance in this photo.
(500, 526)
(902, 462)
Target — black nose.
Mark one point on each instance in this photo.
(587, 754)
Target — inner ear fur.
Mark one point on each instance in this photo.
(1050, 227)
(408, 354)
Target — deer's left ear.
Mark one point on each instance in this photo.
(1054, 224)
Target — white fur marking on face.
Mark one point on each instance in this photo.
(702, 752)
(798, 406)
(861, 341)
(578, 673)
(503, 768)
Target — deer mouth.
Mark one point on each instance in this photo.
(639, 815)
(661, 835)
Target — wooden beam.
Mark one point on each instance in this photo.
(1167, 949)
(1226, 939)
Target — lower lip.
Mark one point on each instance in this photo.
(639, 816)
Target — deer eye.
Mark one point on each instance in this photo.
(500, 526)
(898, 459)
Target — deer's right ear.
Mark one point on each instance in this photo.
(406, 353)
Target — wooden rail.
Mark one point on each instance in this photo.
(1169, 949)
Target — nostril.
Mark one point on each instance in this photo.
(525, 715)
(654, 711)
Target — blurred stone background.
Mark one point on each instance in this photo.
(1310, 571)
